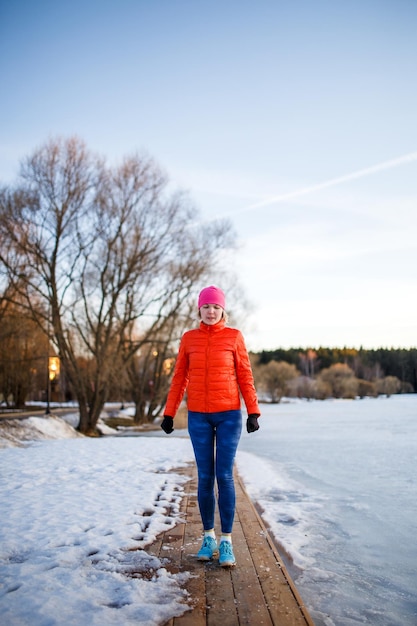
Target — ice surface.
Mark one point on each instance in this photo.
(337, 483)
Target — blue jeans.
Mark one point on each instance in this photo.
(215, 437)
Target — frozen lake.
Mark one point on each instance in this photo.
(337, 483)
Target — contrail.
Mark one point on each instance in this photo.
(408, 158)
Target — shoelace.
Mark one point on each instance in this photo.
(227, 548)
(207, 542)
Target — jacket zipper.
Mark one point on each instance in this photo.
(207, 399)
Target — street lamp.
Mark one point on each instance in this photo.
(54, 367)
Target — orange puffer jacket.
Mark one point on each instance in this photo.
(212, 365)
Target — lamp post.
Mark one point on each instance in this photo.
(48, 385)
(54, 367)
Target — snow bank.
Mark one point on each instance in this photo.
(18, 432)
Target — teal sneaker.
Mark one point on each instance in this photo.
(208, 549)
(226, 558)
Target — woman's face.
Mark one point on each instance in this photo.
(211, 314)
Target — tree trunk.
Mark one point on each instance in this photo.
(140, 414)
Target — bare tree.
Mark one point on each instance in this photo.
(273, 379)
(110, 253)
(341, 379)
(23, 345)
(23, 355)
(388, 385)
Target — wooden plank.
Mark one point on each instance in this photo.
(281, 596)
(257, 592)
(196, 584)
(248, 592)
(221, 608)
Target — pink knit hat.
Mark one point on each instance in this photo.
(212, 295)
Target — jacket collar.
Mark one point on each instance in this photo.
(212, 329)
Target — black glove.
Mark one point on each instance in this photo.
(252, 423)
(167, 424)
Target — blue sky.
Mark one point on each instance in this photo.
(297, 120)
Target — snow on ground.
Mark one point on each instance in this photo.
(19, 432)
(77, 517)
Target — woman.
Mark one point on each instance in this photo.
(213, 366)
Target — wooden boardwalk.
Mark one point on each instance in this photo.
(257, 592)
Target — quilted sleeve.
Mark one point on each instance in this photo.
(179, 381)
(245, 376)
